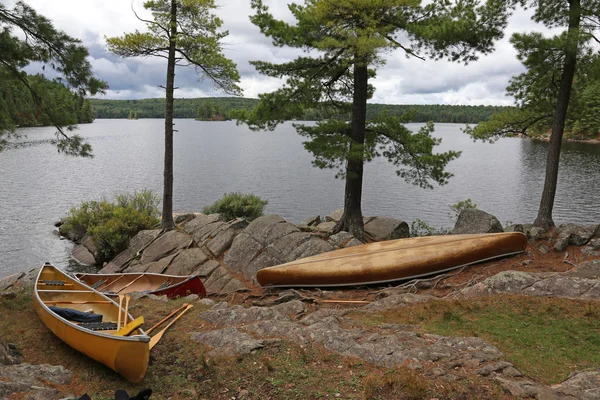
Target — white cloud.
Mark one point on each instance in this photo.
(400, 81)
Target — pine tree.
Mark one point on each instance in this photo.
(543, 93)
(183, 31)
(37, 40)
(345, 42)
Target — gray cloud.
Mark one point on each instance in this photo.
(400, 80)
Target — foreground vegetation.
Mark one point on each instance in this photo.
(546, 338)
(181, 368)
(208, 108)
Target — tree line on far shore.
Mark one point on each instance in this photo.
(224, 108)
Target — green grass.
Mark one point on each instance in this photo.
(545, 338)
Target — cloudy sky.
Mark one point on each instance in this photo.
(400, 81)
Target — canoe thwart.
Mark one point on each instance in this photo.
(54, 283)
(99, 326)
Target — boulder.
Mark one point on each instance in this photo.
(182, 218)
(200, 222)
(534, 233)
(186, 262)
(326, 226)
(385, 228)
(472, 220)
(592, 248)
(9, 281)
(219, 279)
(269, 241)
(571, 234)
(515, 228)
(73, 233)
(207, 268)
(165, 244)
(88, 243)
(33, 378)
(142, 240)
(342, 240)
(312, 221)
(335, 216)
(82, 255)
(9, 353)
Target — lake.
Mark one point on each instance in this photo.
(39, 186)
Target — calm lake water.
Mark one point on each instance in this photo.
(39, 186)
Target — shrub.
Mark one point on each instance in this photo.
(112, 225)
(421, 228)
(237, 205)
(460, 206)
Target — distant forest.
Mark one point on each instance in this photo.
(222, 108)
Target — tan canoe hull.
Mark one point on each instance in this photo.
(392, 260)
(128, 356)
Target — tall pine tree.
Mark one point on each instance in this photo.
(543, 93)
(345, 41)
(183, 32)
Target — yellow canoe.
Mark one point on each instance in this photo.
(392, 260)
(126, 355)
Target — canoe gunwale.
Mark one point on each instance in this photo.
(135, 338)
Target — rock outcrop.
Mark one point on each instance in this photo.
(269, 241)
(582, 282)
(33, 381)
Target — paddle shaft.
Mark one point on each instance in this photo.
(78, 302)
(120, 305)
(154, 340)
(166, 318)
(126, 309)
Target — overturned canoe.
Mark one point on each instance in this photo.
(158, 284)
(392, 260)
(57, 297)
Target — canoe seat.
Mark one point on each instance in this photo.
(165, 285)
(53, 283)
(99, 326)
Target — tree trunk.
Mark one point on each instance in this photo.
(544, 217)
(167, 213)
(352, 220)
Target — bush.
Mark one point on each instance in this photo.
(421, 228)
(460, 206)
(112, 225)
(237, 205)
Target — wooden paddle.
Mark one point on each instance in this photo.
(78, 302)
(120, 305)
(126, 309)
(154, 340)
(166, 318)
